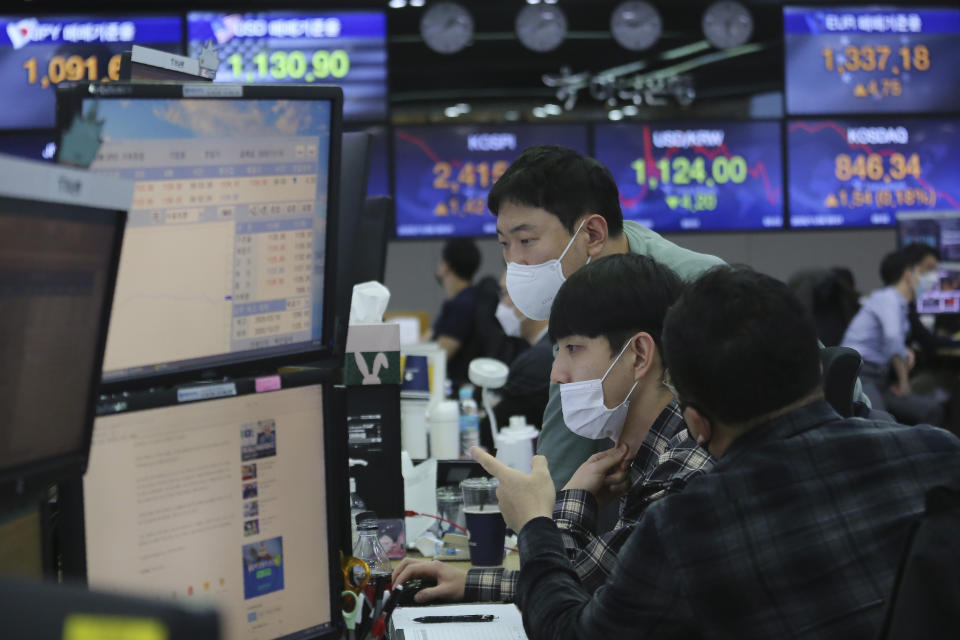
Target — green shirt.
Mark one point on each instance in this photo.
(565, 451)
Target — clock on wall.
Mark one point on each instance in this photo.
(635, 25)
(727, 24)
(446, 27)
(541, 27)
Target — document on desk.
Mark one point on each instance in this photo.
(508, 624)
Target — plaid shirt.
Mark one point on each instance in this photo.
(797, 532)
(664, 463)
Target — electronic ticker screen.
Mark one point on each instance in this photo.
(871, 59)
(219, 502)
(443, 174)
(696, 176)
(38, 53)
(224, 253)
(849, 173)
(347, 49)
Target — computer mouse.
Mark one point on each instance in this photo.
(403, 595)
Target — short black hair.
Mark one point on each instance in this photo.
(892, 267)
(915, 253)
(615, 297)
(739, 345)
(462, 256)
(563, 182)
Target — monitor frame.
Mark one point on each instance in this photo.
(335, 461)
(242, 363)
(26, 481)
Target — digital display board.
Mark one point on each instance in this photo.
(347, 49)
(696, 176)
(846, 173)
(38, 53)
(443, 174)
(871, 60)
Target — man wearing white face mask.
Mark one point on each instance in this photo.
(879, 332)
(556, 211)
(607, 320)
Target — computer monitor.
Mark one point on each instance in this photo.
(354, 169)
(32, 145)
(375, 228)
(38, 52)
(50, 611)
(60, 236)
(233, 501)
(939, 229)
(231, 238)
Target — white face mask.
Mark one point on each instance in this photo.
(532, 287)
(927, 282)
(585, 412)
(508, 320)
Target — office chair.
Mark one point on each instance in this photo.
(925, 602)
(841, 366)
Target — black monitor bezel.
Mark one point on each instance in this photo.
(335, 458)
(31, 479)
(69, 101)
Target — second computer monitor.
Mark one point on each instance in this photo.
(225, 257)
(230, 502)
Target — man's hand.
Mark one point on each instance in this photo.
(911, 359)
(522, 496)
(451, 582)
(603, 474)
(902, 389)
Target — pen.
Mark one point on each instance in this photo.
(472, 618)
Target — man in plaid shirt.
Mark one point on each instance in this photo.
(607, 319)
(796, 532)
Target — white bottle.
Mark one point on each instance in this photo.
(444, 418)
(469, 421)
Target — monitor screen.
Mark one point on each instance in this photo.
(443, 174)
(945, 297)
(60, 233)
(871, 59)
(32, 145)
(219, 501)
(224, 257)
(860, 173)
(704, 176)
(348, 49)
(378, 183)
(940, 230)
(39, 52)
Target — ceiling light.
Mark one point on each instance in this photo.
(539, 112)
(451, 112)
(550, 1)
(533, 1)
(553, 109)
(512, 115)
(397, 4)
(463, 107)
(417, 3)
(631, 110)
(615, 114)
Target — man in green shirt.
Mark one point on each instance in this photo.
(557, 210)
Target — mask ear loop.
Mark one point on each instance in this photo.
(572, 238)
(610, 368)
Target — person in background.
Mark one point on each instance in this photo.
(611, 377)
(528, 383)
(556, 211)
(798, 529)
(879, 333)
(454, 328)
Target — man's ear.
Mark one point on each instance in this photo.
(700, 428)
(645, 354)
(595, 229)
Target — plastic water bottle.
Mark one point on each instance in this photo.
(469, 421)
(357, 507)
(369, 549)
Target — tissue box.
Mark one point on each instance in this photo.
(373, 354)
